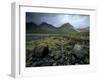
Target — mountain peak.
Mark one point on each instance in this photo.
(46, 24)
(67, 25)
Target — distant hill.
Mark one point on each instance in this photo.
(45, 28)
(67, 27)
(30, 27)
(86, 29)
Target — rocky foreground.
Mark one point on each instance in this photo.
(58, 53)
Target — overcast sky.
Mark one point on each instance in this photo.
(78, 21)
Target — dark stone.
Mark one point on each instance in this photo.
(61, 61)
(36, 59)
(40, 52)
(51, 61)
(46, 64)
(47, 61)
(37, 64)
(54, 64)
(56, 57)
(73, 59)
(41, 63)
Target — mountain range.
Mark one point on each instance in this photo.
(45, 28)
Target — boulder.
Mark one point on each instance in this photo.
(77, 51)
(40, 52)
(77, 47)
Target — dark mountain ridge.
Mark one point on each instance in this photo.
(45, 28)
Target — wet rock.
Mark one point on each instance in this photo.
(40, 52)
